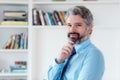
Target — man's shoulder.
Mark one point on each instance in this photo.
(93, 50)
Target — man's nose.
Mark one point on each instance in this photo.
(73, 28)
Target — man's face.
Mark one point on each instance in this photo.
(77, 28)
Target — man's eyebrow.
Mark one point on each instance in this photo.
(76, 23)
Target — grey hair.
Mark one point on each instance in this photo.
(83, 12)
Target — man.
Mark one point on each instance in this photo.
(79, 59)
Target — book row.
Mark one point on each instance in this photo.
(16, 41)
(48, 18)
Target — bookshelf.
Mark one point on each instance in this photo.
(14, 59)
(38, 54)
(92, 5)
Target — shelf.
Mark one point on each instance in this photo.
(106, 27)
(64, 27)
(76, 2)
(14, 50)
(49, 27)
(13, 26)
(13, 2)
(12, 74)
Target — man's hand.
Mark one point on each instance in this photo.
(65, 52)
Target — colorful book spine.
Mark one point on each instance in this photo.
(48, 18)
(16, 41)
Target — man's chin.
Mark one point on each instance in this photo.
(76, 41)
(73, 39)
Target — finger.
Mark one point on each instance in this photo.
(65, 52)
(69, 46)
(71, 42)
(68, 49)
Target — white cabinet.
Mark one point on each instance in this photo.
(14, 34)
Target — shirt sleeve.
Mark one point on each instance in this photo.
(93, 67)
(54, 71)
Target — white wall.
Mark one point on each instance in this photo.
(108, 40)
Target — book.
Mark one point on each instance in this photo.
(63, 13)
(15, 19)
(14, 23)
(25, 41)
(19, 71)
(13, 41)
(55, 20)
(8, 43)
(15, 13)
(22, 41)
(62, 17)
(50, 19)
(35, 15)
(55, 13)
(42, 17)
(47, 19)
(38, 18)
(17, 41)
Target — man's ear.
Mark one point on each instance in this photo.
(90, 29)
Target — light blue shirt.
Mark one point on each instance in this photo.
(86, 64)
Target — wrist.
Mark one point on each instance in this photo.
(58, 61)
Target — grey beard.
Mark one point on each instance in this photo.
(79, 40)
(76, 41)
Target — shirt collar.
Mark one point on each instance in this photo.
(84, 44)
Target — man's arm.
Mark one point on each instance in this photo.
(55, 70)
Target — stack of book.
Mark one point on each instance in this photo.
(19, 67)
(14, 17)
(16, 41)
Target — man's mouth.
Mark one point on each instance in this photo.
(73, 35)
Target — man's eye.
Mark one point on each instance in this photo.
(78, 25)
(69, 25)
